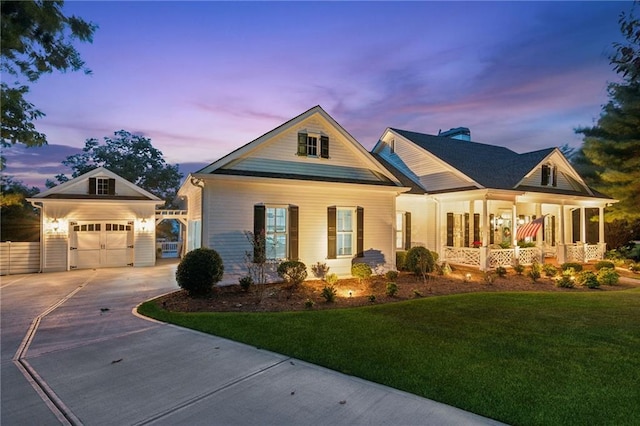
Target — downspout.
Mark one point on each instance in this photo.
(40, 207)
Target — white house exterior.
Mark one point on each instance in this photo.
(468, 200)
(308, 186)
(96, 220)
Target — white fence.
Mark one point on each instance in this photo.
(491, 258)
(19, 258)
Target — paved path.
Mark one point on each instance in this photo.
(73, 353)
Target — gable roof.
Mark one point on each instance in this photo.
(66, 189)
(373, 172)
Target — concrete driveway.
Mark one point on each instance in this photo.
(74, 353)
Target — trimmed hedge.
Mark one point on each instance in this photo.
(199, 270)
(419, 259)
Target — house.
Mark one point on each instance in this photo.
(308, 187)
(96, 220)
(487, 206)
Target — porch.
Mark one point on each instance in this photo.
(485, 258)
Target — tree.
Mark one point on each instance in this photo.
(131, 157)
(20, 221)
(611, 149)
(36, 39)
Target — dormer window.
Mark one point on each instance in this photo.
(549, 175)
(313, 145)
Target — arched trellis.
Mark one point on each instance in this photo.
(176, 248)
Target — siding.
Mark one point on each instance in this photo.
(565, 182)
(144, 247)
(19, 258)
(55, 253)
(230, 214)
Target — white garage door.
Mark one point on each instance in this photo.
(101, 244)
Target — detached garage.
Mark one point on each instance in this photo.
(96, 220)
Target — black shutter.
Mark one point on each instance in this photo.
(555, 177)
(302, 144)
(450, 229)
(492, 229)
(407, 230)
(259, 240)
(545, 175)
(466, 230)
(331, 232)
(92, 186)
(553, 231)
(112, 187)
(360, 232)
(476, 227)
(324, 146)
(293, 232)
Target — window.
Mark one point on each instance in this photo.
(276, 233)
(102, 186)
(549, 175)
(313, 145)
(344, 232)
(275, 230)
(399, 230)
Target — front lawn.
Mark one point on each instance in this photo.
(528, 358)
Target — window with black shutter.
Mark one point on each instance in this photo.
(259, 216)
(407, 230)
(546, 173)
(293, 233)
(313, 145)
(450, 229)
(360, 232)
(331, 232)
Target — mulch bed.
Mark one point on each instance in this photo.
(351, 292)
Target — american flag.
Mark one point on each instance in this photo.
(530, 229)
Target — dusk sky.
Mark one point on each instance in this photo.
(201, 79)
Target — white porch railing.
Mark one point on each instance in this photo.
(462, 255)
(529, 255)
(500, 257)
(584, 252)
(169, 249)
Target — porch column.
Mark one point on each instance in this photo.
(541, 230)
(583, 226)
(600, 224)
(472, 230)
(514, 225)
(561, 251)
(484, 235)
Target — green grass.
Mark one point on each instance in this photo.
(521, 358)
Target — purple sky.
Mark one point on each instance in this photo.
(203, 78)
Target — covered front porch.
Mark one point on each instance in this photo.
(501, 228)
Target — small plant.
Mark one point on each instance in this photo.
(401, 257)
(391, 275)
(505, 245)
(604, 264)
(331, 278)
(501, 271)
(362, 271)
(329, 293)
(564, 281)
(445, 269)
(420, 261)
(577, 267)
(536, 271)
(489, 277)
(199, 270)
(246, 282)
(518, 268)
(372, 298)
(549, 270)
(416, 293)
(608, 276)
(392, 289)
(587, 279)
(309, 303)
(320, 270)
(292, 272)
(634, 267)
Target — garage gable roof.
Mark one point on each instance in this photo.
(81, 188)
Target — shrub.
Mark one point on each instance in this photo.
(577, 267)
(536, 271)
(331, 279)
(391, 275)
(401, 257)
(309, 303)
(392, 289)
(564, 281)
(329, 293)
(435, 256)
(608, 276)
(320, 270)
(587, 279)
(523, 244)
(419, 261)
(199, 270)
(518, 268)
(372, 298)
(604, 264)
(489, 277)
(445, 269)
(417, 293)
(501, 271)
(634, 267)
(246, 282)
(550, 270)
(293, 272)
(361, 271)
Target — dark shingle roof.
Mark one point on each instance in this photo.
(489, 165)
